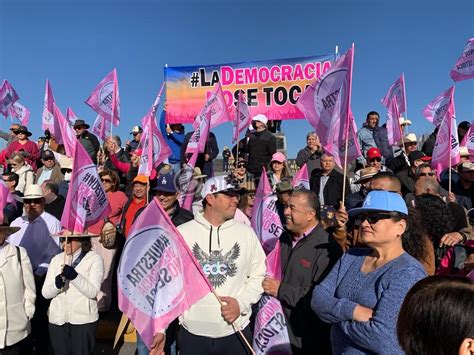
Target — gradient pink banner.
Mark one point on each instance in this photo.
(464, 67)
(158, 277)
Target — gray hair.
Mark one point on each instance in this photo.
(311, 134)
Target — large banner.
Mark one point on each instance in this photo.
(271, 87)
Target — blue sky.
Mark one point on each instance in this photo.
(76, 43)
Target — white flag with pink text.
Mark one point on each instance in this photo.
(105, 98)
(464, 67)
(438, 108)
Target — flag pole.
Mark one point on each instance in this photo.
(238, 132)
(235, 327)
(347, 129)
(449, 150)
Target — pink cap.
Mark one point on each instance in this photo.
(279, 157)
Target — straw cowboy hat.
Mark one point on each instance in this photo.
(365, 174)
(197, 173)
(67, 234)
(409, 138)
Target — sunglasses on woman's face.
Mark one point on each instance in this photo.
(108, 181)
(373, 218)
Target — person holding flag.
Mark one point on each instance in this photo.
(307, 255)
(234, 263)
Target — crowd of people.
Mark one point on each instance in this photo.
(372, 260)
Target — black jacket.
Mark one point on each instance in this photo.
(261, 147)
(333, 188)
(211, 148)
(91, 144)
(56, 207)
(407, 178)
(303, 267)
(429, 144)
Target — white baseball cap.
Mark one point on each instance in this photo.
(217, 184)
(260, 117)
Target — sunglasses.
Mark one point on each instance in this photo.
(230, 193)
(135, 134)
(33, 200)
(375, 159)
(374, 218)
(276, 162)
(106, 180)
(77, 128)
(7, 180)
(69, 239)
(241, 165)
(426, 174)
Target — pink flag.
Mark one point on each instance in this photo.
(5, 197)
(102, 128)
(339, 131)
(86, 201)
(71, 117)
(301, 179)
(270, 318)
(394, 130)
(50, 122)
(154, 148)
(197, 142)
(319, 100)
(397, 90)
(105, 100)
(446, 143)
(464, 67)
(265, 219)
(8, 97)
(187, 185)
(21, 113)
(68, 136)
(468, 141)
(216, 106)
(154, 292)
(437, 109)
(242, 118)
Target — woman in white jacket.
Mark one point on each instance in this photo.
(73, 288)
(17, 296)
(24, 171)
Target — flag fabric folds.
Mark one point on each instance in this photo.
(105, 99)
(242, 117)
(215, 106)
(86, 201)
(68, 136)
(438, 108)
(394, 130)
(301, 179)
(464, 67)
(21, 113)
(265, 219)
(397, 90)
(49, 121)
(8, 96)
(158, 277)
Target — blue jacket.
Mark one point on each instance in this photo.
(174, 140)
(365, 135)
(381, 141)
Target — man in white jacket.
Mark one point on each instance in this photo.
(233, 260)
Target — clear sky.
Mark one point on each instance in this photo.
(76, 43)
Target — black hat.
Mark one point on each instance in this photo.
(23, 129)
(418, 155)
(47, 154)
(81, 123)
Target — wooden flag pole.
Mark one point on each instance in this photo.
(449, 150)
(345, 167)
(235, 327)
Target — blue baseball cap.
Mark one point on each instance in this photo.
(381, 201)
(165, 183)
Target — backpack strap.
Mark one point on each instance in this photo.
(18, 255)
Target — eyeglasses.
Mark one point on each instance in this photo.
(426, 174)
(374, 218)
(135, 134)
(252, 196)
(411, 143)
(241, 165)
(108, 181)
(276, 162)
(33, 200)
(375, 159)
(7, 180)
(294, 209)
(77, 128)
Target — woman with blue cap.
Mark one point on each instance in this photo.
(363, 293)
